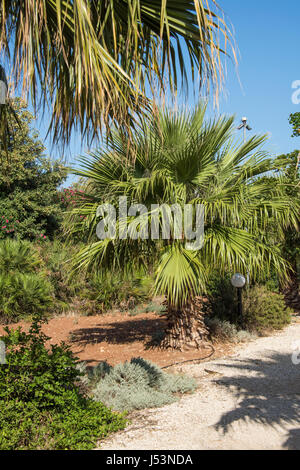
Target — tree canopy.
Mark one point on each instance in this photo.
(29, 180)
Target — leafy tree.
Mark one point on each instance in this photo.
(29, 205)
(93, 60)
(181, 159)
(294, 120)
(287, 165)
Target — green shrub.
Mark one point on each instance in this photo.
(23, 290)
(17, 256)
(221, 330)
(23, 426)
(40, 399)
(98, 372)
(222, 299)
(138, 384)
(23, 295)
(55, 257)
(90, 293)
(156, 308)
(33, 372)
(224, 331)
(114, 291)
(264, 310)
(152, 307)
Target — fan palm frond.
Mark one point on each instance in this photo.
(93, 60)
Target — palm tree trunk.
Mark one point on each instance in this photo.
(186, 328)
(291, 289)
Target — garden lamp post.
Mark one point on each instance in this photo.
(244, 126)
(239, 281)
(3, 86)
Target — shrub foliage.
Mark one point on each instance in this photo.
(41, 403)
(136, 385)
(265, 310)
(29, 206)
(23, 290)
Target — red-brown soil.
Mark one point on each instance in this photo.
(117, 337)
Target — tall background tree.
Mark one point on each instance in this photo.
(29, 203)
(288, 165)
(94, 59)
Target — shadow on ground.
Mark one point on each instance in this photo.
(120, 332)
(267, 392)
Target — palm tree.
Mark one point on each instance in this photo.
(92, 60)
(181, 159)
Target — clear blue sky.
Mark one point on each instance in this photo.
(268, 37)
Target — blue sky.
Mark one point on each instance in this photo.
(268, 36)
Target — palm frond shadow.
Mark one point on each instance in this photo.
(124, 332)
(293, 440)
(267, 392)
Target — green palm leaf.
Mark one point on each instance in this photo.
(93, 60)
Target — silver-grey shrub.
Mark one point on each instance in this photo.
(138, 384)
(223, 330)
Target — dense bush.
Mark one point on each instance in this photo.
(89, 292)
(23, 290)
(264, 310)
(44, 408)
(136, 385)
(24, 295)
(35, 373)
(222, 330)
(55, 257)
(222, 299)
(113, 290)
(23, 426)
(17, 256)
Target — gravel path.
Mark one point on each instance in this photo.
(249, 401)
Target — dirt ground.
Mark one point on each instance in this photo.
(118, 337)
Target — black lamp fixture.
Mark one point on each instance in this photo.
(244, 126)
(238, 281)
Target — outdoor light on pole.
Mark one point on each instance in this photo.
(244, 126)
(239, 281)
(3, 86)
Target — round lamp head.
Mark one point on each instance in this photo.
(238, 280)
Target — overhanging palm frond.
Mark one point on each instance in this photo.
(6, 112)
(94, 59)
